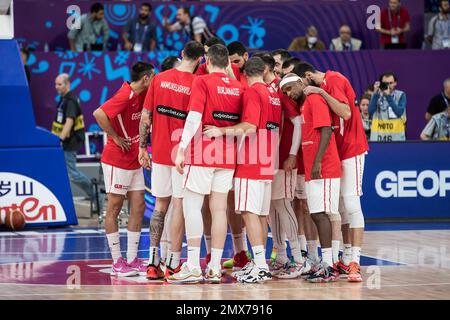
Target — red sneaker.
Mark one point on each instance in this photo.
(354, 274)
(154, 272)
(170, 271)
(240, 260)
(343, 269)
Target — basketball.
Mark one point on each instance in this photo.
(15, 220)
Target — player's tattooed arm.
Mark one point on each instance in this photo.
(156, 227)
(144, 127)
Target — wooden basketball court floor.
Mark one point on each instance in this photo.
(400, 261)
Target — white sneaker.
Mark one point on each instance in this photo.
(213, 275)
(186, 275)
(256, 275)
(310, 267)
(291, 271)
(276, 266)
(247, 268)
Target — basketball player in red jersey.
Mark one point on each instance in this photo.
(165, 111)
(258, 135)
(322, 169)
(216, 99)
(119, 118)
(239, 55)
(352, 145)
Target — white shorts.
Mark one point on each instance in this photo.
(166, 181)
(120, 181)
(323, 195)
(283, 186)
(300, 189)
(203, 180)
(252, 196)
(352, 176)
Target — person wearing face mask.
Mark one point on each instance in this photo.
(388, 110)
(140, 33)
(439, 27)
(309, 42)
(92, 26)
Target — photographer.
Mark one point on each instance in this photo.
(387, 109)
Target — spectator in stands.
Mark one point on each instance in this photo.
(345, 42)
(395, 22)
(440, 102)
(309, 42)
(280, 56)
(369, 90)
(438, 128)
(439, 27)
(139, 33)
(194, 27)
(289, 65)
(170, 63)
(92, 26)
(69, 127)
(366, 120)
(25, 55)
(387, 108)
(238, 54)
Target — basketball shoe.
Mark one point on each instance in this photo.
(247, 268)
(169, 271)
(186, 275)
(154, 272)
(122, 269)
(276, 266)
(291, 270)
(343, 269)
(325, 274)
(137, 265)
(354, 273)
(256, 275)
(212, 276)
(309, 267)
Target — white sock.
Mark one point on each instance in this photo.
(173, 260)
(238, 244)
(302, 241)
(259, 256)
(296, 253)
(216, 257)
(133, 244)
(282, 255)
(164, 248)
(356, 254)
(153, 257)
(335, 244)
(327, 256)
(244, 240)
(208, 243)
(347, 255)
(312, 250)
(193, 257)
(114, 245)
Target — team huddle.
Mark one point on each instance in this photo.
(249, 143)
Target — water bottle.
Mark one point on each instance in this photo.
(46, 48)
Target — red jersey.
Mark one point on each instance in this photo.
(300, 163)
(316, 115)
(168, 99)
(201, 71)
(257, 156)
(124, 112)
(290, 110)
(391, 21)
(219, 99)
(350, 136)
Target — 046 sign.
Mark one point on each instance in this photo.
(36, 201)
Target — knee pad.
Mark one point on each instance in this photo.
(353, 210)
(192, 210)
